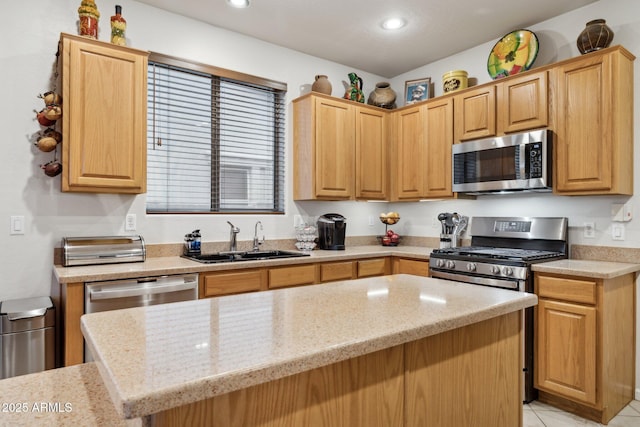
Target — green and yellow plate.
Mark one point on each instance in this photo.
(513, 53)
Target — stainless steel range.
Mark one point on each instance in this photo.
(501, 254)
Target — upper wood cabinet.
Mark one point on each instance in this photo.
(340, 149)
(594, 123)
(438, 118)
(409, 155)
(515, 104)
(104, 91)
(372, 158)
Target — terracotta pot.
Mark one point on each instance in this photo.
(383, 96)
(322, 85)
(596, 35)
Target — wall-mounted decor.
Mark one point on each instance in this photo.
(512, 54)
(417, 90)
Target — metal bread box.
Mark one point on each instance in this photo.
(102, 250)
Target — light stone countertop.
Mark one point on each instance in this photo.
(587, 268)
(156, 266)
(74, 396)
(158, 357)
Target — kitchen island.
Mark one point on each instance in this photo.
(385, 351)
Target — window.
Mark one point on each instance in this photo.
(215, 140)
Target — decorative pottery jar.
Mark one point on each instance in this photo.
(354, 91)
(322, 85)
(454, 80)
(89, 15)
(383, 96)
(118, 27)
(595, 36)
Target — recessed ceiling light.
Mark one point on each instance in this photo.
(393, 23)
(238, 3)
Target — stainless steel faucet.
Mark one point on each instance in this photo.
(256, 241)
(233, 237)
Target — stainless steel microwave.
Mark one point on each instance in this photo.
(518, 162)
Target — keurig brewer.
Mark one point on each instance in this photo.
(331, 231)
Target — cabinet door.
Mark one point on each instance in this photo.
(438, 142)
(332, 271)
(475, 112)
(371, 154)
(104, 120)
(522, 103)
(292, 276)
(231, 282)
(594, 125)
(411, 266)
(373, 267)
(408, 177)
(566, 349)
(334, 149)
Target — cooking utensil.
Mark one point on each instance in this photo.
(442, 217)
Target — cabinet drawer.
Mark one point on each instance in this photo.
(411, 266)
(292, 276)
(562, 288)
(336, 271)
(372, 267)
(230, 282)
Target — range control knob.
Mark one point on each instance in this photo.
(507, 271)
(471, 266)
(451, 264)
(495, 269)
(440, 263)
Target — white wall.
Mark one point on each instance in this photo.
(27, 61)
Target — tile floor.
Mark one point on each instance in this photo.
(537, 414)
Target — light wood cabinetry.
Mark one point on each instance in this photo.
(411, 266)
(232, 282)
(409, 155)
(104, 90)
(594, 123)
(296, 275)
(372, 154)
(332, 271)
(585, 343)
(373, 267)
(340, 150)
(513, 105)
(438, 117)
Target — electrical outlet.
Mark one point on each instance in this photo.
(372, 221)
(589, 230)
(130, 222)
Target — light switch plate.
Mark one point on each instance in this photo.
(17, 225)
(617, 231)
(130, 222)
(589, 230)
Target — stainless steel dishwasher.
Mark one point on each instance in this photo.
(141, 292)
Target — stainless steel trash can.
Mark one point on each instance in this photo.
(27, 336)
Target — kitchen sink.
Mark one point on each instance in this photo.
(243, 256)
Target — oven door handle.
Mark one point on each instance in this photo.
(517, 285)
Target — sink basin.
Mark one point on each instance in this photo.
(210, 258)
(269, 255)
(243, 256)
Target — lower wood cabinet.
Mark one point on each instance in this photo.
(332, 271)
(220, 283)
(585, 343)
(411, 266)
(292, 276)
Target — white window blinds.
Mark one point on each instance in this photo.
(215, 144)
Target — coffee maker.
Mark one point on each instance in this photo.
(331, 231)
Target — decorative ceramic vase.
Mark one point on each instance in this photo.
(354, 91)
(322, 85)
(118, 27)
(596, 35)
(88, 15)
(383, 96)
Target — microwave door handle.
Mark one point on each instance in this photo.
(523, 161)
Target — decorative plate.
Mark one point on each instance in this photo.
(514, 53)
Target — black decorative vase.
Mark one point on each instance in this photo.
(596, 35)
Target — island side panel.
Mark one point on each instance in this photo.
(72, 302)
(363, 391)
(467, 376)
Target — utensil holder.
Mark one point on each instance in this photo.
(449, 241)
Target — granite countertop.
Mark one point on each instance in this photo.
(158, 357)
(587, 268)
(73, 396)
(156, 266)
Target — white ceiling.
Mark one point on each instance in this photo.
(348, 31)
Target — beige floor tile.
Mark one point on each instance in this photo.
(530, 419)
(624, 421)
(635, 404)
